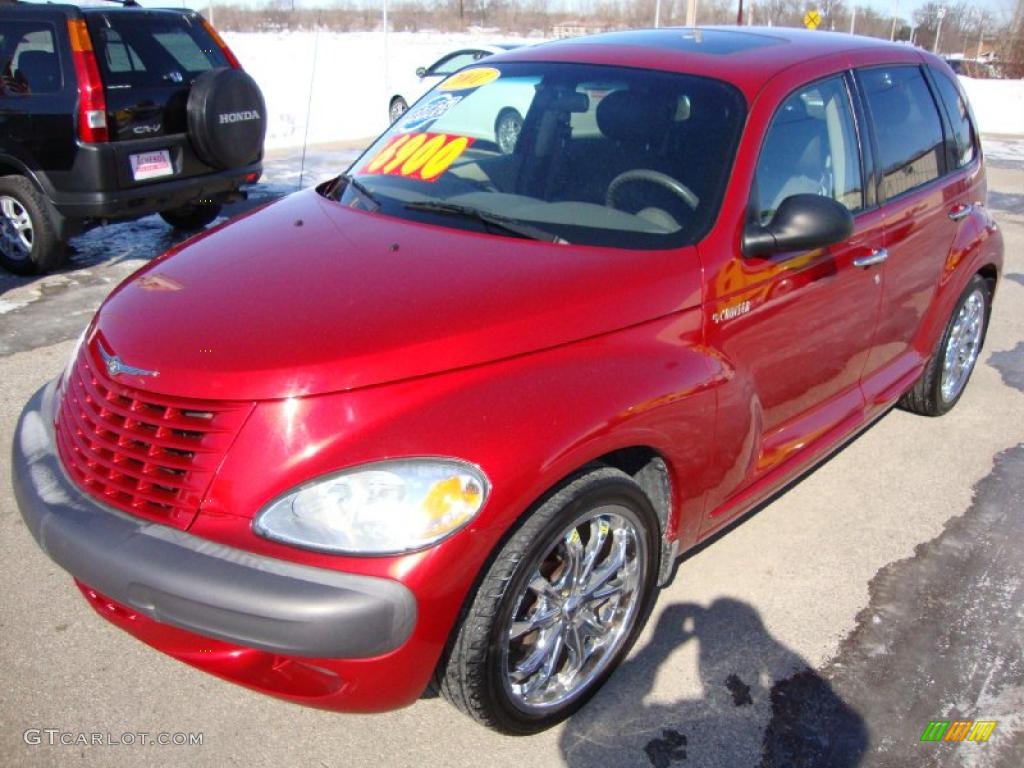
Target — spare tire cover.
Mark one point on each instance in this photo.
(227, 118)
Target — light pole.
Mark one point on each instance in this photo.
(941, 13)
(691, 13)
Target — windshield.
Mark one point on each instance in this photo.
(579, 153)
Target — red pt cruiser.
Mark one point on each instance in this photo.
(452, 416)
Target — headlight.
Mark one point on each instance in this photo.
(382, 508)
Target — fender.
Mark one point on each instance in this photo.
(11, 165)
(978, 246)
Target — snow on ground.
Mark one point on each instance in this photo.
(998, 105)
(350, 87)
(339, 79)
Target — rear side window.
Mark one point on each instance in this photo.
(907, 127)
(962, 150)
(30, 64)
(149, 49)
(811, 148)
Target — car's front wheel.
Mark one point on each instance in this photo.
(559, 607)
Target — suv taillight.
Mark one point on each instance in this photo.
(92, 104)
(220, 44)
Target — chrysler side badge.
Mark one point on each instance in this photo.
(116, 366)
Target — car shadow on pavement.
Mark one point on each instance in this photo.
(626, 724)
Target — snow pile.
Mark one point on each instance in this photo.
(349, 92)
(351, 86)
(998, 104)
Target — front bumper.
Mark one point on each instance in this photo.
(206, 588)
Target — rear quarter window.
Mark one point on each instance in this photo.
(149, 49)
(962, 148)
(907, 127)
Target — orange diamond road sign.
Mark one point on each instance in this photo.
(812, 19)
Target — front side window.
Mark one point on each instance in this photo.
(605, 155)
(29, 63)
(810, 148)
(962, 144)
(455, 62)
(907, 126)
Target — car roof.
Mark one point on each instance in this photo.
(745, 56)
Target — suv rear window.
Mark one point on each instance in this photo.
(151, 49)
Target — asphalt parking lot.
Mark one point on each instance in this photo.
(884, 591)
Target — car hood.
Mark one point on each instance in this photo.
(307, 296)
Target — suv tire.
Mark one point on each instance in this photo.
(189, 218)
(29, 243)
(227, 118)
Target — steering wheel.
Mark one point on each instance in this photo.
(652, 177)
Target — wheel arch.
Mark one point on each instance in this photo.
(10, 166)
(647, 466)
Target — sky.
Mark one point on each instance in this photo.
(1001, 9)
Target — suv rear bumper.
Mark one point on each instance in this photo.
(184, 581)
(99, 184)
(154, 197)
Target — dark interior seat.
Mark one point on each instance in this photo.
(40, 70)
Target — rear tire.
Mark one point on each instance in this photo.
(945, 377)
(507, 129)
(559, 608)
(29, 244)
(397, 108)
(189, 218)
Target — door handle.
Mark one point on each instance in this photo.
(876, 256)
(961, 211)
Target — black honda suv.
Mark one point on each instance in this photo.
(111, 113)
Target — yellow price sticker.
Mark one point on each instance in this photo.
(470, 78)
(423, 156)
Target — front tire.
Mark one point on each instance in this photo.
(947, 373)
(561, 605)
(29, 244)
(190, 218)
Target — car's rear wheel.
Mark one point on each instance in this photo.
(559, 607)
(397, 108)
(507, 128)
(28, 238)
(947, 373)
(191, 217)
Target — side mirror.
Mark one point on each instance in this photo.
(800, 223)
(421, 71)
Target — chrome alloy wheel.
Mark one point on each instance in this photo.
(16, 233)
(963, 346)
(576, 610)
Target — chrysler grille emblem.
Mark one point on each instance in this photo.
(116, 366)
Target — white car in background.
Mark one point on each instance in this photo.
(410, 90)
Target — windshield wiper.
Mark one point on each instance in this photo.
(494, 219)
(359, 187)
